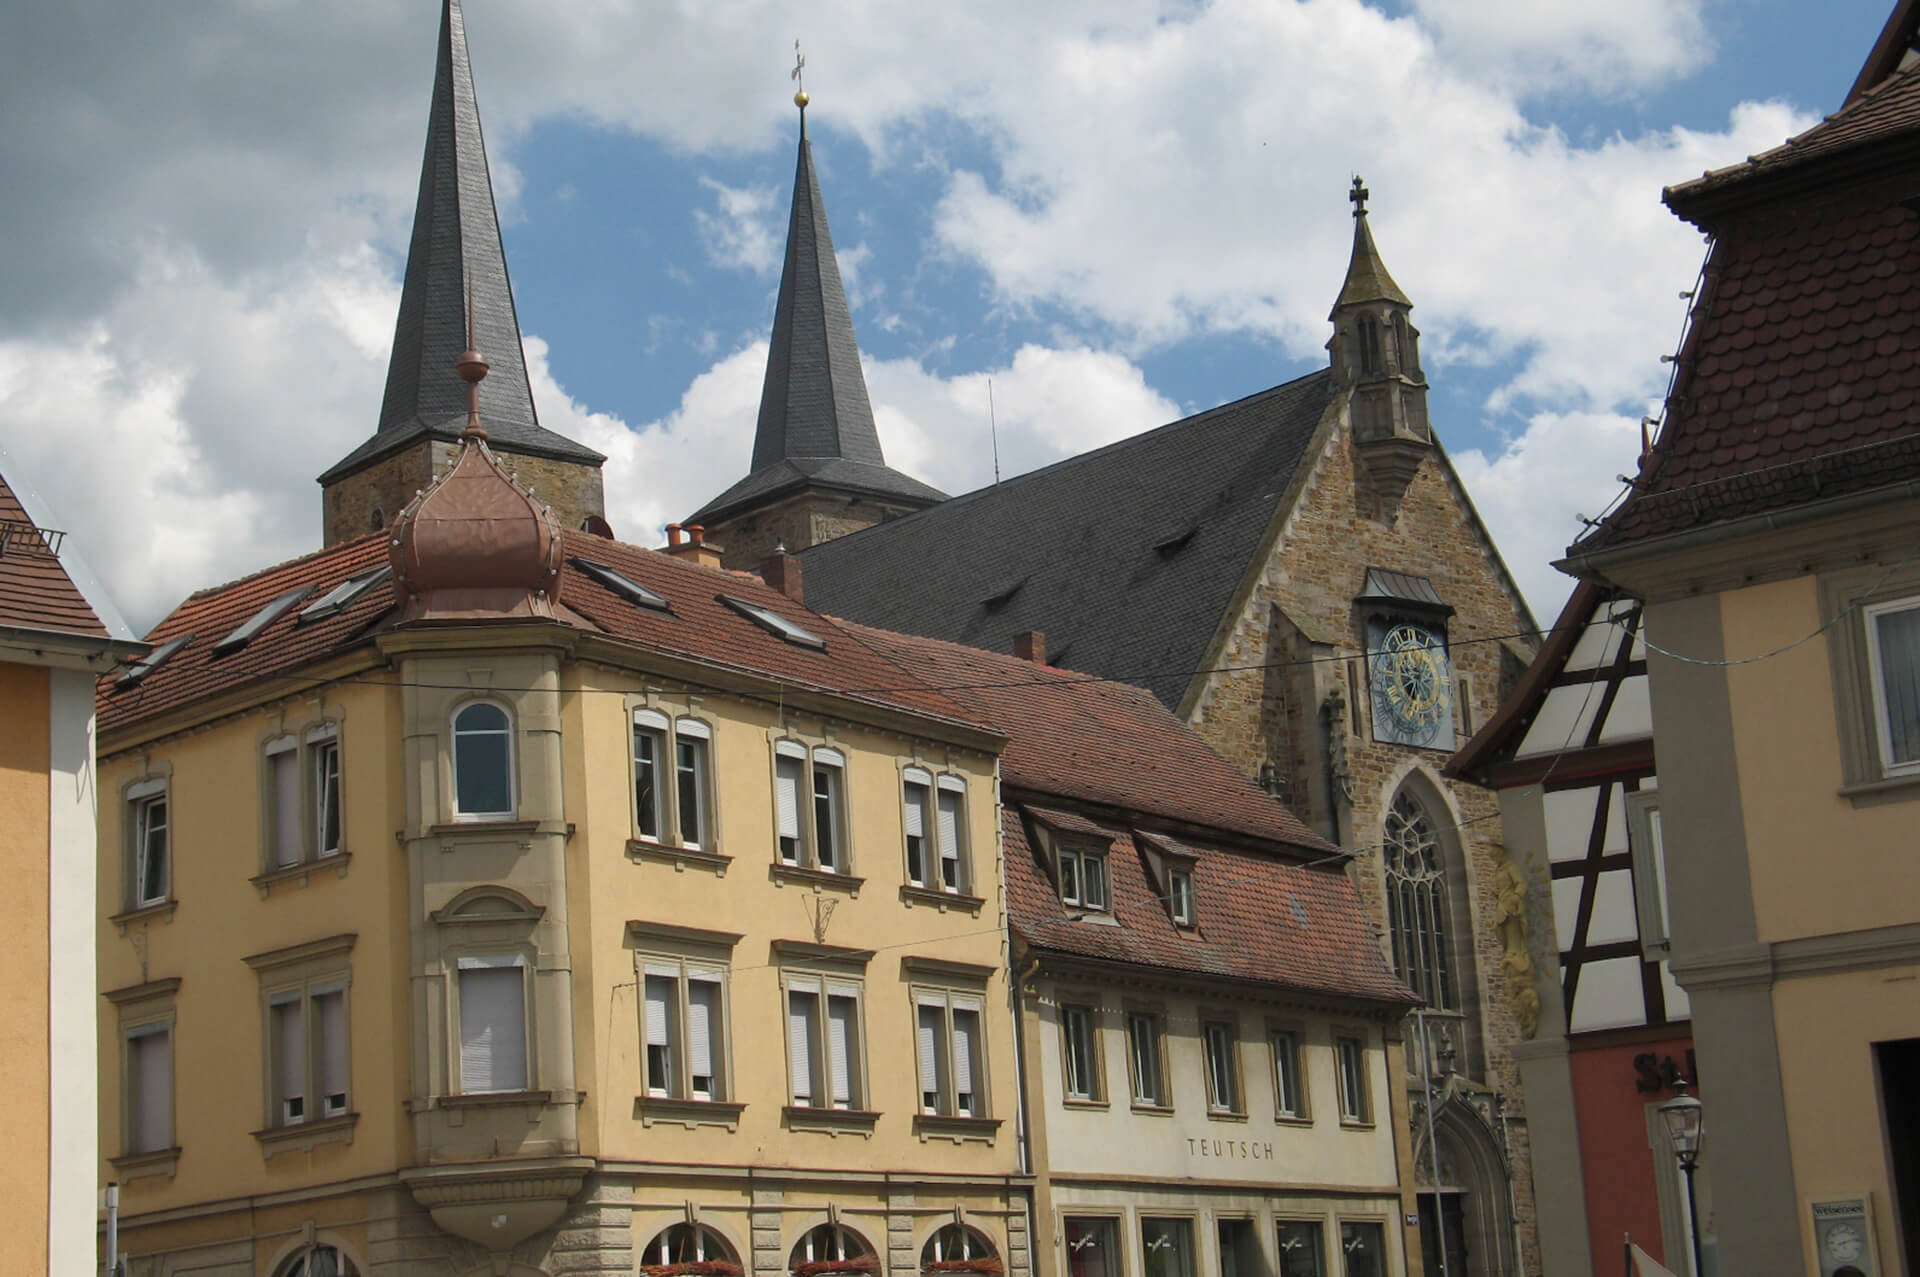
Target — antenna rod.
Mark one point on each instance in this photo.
(993, 426)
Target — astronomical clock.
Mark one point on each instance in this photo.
(1411, 682)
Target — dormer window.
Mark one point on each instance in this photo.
(1083, 878)
(622, 585)
(773, 623)
(1180, 896)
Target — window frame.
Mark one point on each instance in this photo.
(298, 976)
(482, 960)
(1183, 1223)
(1094, 1094)
(1161, 1100)
(1102, 1224)
(1181, 905)
(1235, 1105)
(1646, 843)
(140, 797)
(1889, 767)
(1295, 1038)
(1353, 1081)
(1857, 679)
(825, 985)
(1379, 1227)
(1319, 1242)
(454, 733)
(672, 728)
(814, 757)
(1079, 856)
(146, 1010)
(935, 851)
(948, 1002)
(684, 971)
(310, 744)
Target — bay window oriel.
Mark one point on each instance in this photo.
(483, 757)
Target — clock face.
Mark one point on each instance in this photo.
(1412, 693)
(1845, 1242)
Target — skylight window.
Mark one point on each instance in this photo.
(774, 623)
(335, 601)
(260, 620)
(630, 590)
(152, 661)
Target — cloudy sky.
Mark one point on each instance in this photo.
(1119, 211)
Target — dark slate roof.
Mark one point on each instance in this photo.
(1401, 587)
(456, 245)
(1136, 597)
(1367, 278)
(813, 404)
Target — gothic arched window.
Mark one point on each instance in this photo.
(1370, 357)
(1418, 911)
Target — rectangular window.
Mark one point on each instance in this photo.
(326, 795)
(649, 756)
(1083, 879)
(691, 740)
(1301, 1252)
(672, 780)
(1093, 1248)
(152, 859)
(1166, 1247)
(810, 807)
(823, 1052)
(493, 1025)
(828, 811)
(1289, 1097)
(1893, 662)
(788, 775)
(1350, 1056)
(283, 800)
(1649, 872)
(1223, 1067)
(307, 1054)
(1081, 1054)
(1365, 1249)
(684, 1031)
(1143, 1059)
(953, 825)
(918, 801)
(1180, 897)
(149, 1090)
(952, 1070)
(1240, 1249)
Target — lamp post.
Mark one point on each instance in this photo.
(1682, 1114)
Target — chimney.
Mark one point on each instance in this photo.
(782, 571)
(1031, 645)
(695, 547)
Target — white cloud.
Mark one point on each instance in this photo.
(1607, 49)
(1531, 493)
(742, 232)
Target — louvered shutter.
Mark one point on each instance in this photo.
(703, 1004)
(931, 1065)
(290, 1061)
(152, 1091)
(284, 769)
(786, 793)
(330, 1021)
(493, 1029)
(966, 1040)
(917, 868)
(950, 838)
(803, 1008)
(842, 1040)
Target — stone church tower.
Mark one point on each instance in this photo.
(818, 471)
(456, 277)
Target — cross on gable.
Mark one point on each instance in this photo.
(1358, 195)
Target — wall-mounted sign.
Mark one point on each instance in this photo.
(1243, 1150)
(1843, 1237)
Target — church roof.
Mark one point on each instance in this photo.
(456, 254)
(816, 423)
(1126, 557)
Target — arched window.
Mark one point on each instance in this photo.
(318, 1261)
(379, 521)
(482, 761)
(692, 1249)
(832, 1248)
(956, 1248)
(1418, 911)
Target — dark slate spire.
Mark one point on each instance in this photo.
(456, 248)
(814, 400)
(1367, 278)
(816, 424)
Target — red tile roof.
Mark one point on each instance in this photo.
(1800, 377)
(700, 627)
(1093, 740)
(35, 591)
(1259, 919)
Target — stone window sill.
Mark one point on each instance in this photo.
(1082, 1103)
(784, 873)
(1225, 1115)
(163, 912)
(161, 1161)
(1288, 1119)
(639, 849)
(1872, 793)
(1351, 1124)
(307, 1135)
(832, 1121)
(688, 1113)
(462, 828)
(494, 1099)
(1153, 1110)
(942, 900)
(298, 874)
(958, 1129)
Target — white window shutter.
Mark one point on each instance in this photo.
(703, 1003)
(966, 1041)
(916, 810)
(659, 1010)
(284, 767)
(493, 1030)
(330, 1021)
(290, 1060)
(931, 1065)
(950, 837)
(841, 1039)
(153, 1091)
(802, 1010)
(787, 774)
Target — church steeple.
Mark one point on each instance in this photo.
(818, 470)
(1376, 358)
(455, 257)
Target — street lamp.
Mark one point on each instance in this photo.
(1685, 1128)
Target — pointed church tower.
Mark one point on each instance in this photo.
(1376, 359)
(818, 472)
(455, 255)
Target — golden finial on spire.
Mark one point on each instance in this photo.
(800, 98)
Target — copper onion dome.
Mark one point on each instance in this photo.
(475, 544)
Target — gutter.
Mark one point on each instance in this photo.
(87, 650)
